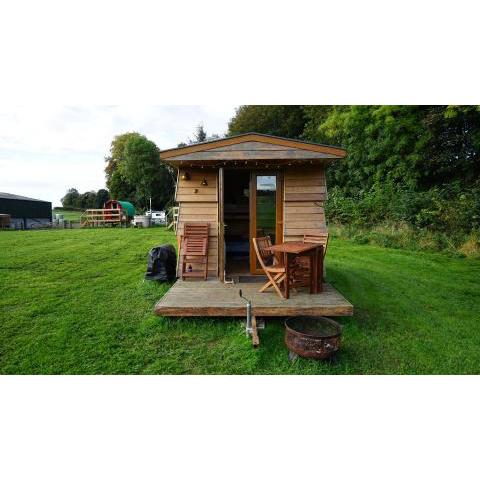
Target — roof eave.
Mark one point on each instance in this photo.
(338, 152)
(247, 163)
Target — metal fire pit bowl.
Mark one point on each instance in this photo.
(312, 337)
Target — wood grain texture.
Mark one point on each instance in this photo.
(307, 189)
(241, 155)
(319, 197)
(253, 137)
(250, 146)
(201, 206)
(307, 173)
(192, 190)
(255, 338)
(215, 299)
(319, 223)
(305, 193)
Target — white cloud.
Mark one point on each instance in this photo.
(45, 150)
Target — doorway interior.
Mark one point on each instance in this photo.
(252, 207)
(236, 214)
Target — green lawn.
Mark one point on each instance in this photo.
(74, 301)
(72, 215)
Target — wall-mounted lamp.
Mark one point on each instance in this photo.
(204, 182)
(185, 176)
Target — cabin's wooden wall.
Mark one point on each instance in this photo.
(304, 196)
(200, 204)
(305, 192)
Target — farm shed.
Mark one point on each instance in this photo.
(248, 186)
(25, 212)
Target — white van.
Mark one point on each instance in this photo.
(158, 217)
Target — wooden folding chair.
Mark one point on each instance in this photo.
(195, 249)
(273, 270)
(301, 277)
(321, 238)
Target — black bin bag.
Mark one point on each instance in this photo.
(162, 264)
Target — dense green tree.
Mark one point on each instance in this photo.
(141, 167)
(74, 199)
(118, 185)
(453, 149)
(415, 146)
(135, 173)
(71, 198)
(316, 115)
(101, 197)
(87, 200)
(281, 120)
(120, 188)
(384, 145)
(413, 164)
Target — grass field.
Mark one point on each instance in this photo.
(74, 301)
(72, 215)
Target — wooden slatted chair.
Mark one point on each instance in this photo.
(195, 249)
(272, 268)
(321, 238)
(301, 276)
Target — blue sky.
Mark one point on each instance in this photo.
(45, 150)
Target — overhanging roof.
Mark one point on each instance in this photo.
(251, 147)
(11, 196)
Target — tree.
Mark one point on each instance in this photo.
(118, 185)
(384, 145)
(453, 150)
(281, 120)
(316, 115)
(87, 200)
(71, 198)
(90, 199)
(101, 197)
(418, 147)
(135, 173)
(142, 169)
(414, 164)
(200, 135)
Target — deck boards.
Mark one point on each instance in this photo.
(215, 299)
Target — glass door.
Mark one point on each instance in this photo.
(265, 211)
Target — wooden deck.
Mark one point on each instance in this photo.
(189, 298)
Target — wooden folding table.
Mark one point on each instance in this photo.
(292, 249)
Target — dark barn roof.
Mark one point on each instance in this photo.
(19, 197)
(24, 207)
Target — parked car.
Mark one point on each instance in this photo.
(158, 217)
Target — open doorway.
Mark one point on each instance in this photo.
(237, 221)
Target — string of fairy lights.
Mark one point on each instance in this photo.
(246, 163)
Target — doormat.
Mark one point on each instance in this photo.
(252, 279)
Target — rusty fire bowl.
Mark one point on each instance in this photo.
(312, 337)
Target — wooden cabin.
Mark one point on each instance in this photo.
(248, 186)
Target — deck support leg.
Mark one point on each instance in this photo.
(255, 338)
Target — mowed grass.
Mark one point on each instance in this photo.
(74, 302)
(72, 215)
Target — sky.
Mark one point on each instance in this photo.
(46, 150)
